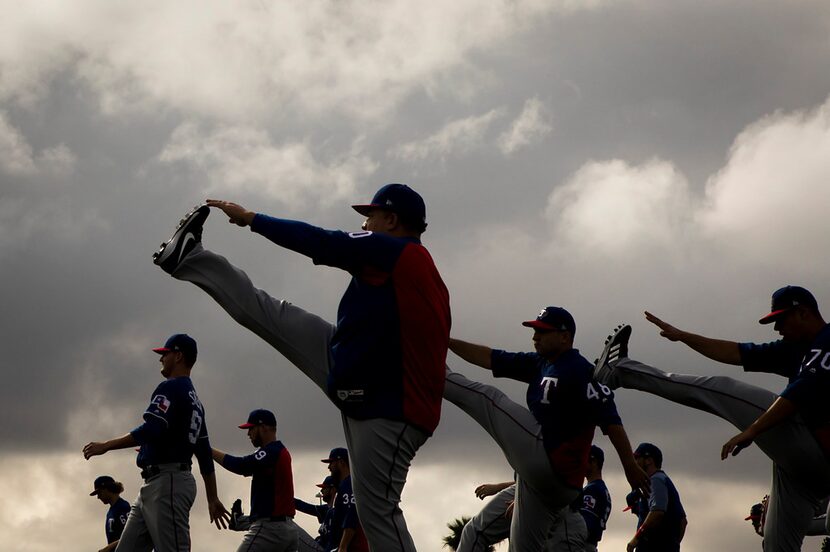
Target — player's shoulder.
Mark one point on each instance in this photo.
(822, 340)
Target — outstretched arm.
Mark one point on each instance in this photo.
(780, 410)
(637, 478)
(717, 349)
(472, 353)
(97, 448)
(489, 489)
(237, 214)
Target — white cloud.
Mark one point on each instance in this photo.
(242, 158)
(454, 138)
(242, 61)
(17, 156)
(532, 124)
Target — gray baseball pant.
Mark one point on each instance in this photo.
(306, 542)
(380, 450)
(540, 493)
(160, 517)
(270, 536)
(801, 472)
(489, 526)
(570, 534)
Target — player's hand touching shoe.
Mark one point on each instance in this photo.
(237, 214)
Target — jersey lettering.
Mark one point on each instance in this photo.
(195, 427)
(825, 361)
(260, 454)
(592, 392)
(359, 234)
(195, 400)
(546, 383)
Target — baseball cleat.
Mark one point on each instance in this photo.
(616, 347)
(188, 233)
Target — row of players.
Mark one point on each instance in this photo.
(384, 366)
(578, 527)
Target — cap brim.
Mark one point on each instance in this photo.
(246, 425)
(747, 518)
(365, 209)
(320, 485)
(161, 350)
(94, 493)
(538, 325)
(769, 318)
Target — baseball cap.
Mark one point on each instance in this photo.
(786, 298)
(650, 451)
(260, 416)
(553, 318)
(598, 454)
(327, 482)
(182, 343)
(755, 512)
(400, 199)
(338, 453)
(101, 482)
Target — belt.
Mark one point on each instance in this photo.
(152, 471)
(271, 518)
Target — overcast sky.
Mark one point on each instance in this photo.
(605, 156)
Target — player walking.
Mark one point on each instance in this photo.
(347, 534)
(108, 491)
(596, 500)
(548, 445)
(174, 429)
(272, 527)
(792, 429)
(382, 364)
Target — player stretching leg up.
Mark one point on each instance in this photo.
(549, 444)
(382, 364)
(792, 429)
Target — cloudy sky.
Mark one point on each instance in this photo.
(606, 156)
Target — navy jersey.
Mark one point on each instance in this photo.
(566, 402)
(116, 519)
(595, 508)
(663, 498)
(272, 482)
(808, 369)
(174, 427)
(393, 324)
(324, 514)
(345, 517)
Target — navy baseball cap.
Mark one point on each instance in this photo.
(400, 199)
(182, 343)
(650, 451)
(786, 298)
(327, 482)
(597, 454)
(260, 416)
(553, 318)
(338, 453)
(101, 482)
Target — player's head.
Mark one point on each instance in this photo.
(178, 353)
(106, 489)
(596, 457)
(794, 311)
(396, 209)
(649, 457)
(338, 462)
(261, 426)
(328, 488)
(553, 331)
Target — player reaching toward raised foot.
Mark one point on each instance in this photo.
(792, 429)
(382, 364)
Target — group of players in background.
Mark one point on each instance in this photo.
(384, 365)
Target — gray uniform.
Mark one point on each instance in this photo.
(801, 472)
(386, 446)
(160, 516)
(540, 492)
(490, 526)
(270, 536)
